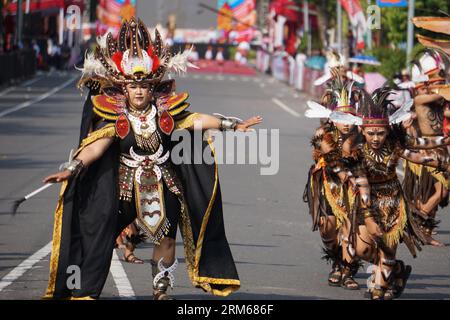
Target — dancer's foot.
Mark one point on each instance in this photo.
(131, 258)
(347, 276)
(335, 277)
(159, 295)
(401, 278)
(349, 283)
(377, 294)
(435, 243)
(431, 241)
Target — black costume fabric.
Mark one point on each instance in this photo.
(87, 222)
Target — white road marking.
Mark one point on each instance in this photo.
(26, 265)
(123, 285)
(232, 78)
(40, 98)
(285, 107)
(118, 273)
(196, 76)
(31, 81)
(7, 90)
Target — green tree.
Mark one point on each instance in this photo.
(394, 22)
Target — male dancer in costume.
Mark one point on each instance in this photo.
(386, 221)
(425, 188)
(327, 192)
(123, 171)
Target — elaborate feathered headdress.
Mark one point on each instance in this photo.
(373, 110)
(343, 93)
(341, 104)
(430, 65)
(133, 57)
(376, 110)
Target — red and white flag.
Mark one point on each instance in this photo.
(357, 19)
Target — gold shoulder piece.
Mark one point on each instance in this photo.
(106, 116)
(179, 109)
(108, 105)
(174, 103)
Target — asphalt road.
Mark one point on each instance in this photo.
(269, 230)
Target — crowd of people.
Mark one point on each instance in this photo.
(218, 55)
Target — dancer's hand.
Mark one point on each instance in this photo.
(421, 207)
(245, 125)
(373, 228)
(58, 177)
(408, 123)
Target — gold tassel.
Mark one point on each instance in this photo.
(393, 237)
(439, 176)
(338, 211)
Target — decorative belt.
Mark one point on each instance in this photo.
(150, 208)
(145, 163)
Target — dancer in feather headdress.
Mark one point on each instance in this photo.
(123, 171)
(327, 191)
(425, 188)
(336, 66)
(385, 219)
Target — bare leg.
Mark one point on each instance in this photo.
(329, 235)
(119, 242)
(366, 250)
(365, 246)
(166, 251)
(430, 207)
(432, 203)
(132, 234)
(350, 261)
(328, 232)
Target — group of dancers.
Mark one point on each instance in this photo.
(122, 174)
(356, 199)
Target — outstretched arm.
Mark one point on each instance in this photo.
(426, 98)
(428, 142)
(87, 156)
(437, 161)
(206, 121)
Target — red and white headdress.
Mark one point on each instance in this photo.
(133, 57)
(429, 66)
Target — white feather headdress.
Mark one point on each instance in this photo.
(180, 62)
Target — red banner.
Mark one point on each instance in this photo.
(357, 19)
(352, 7)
